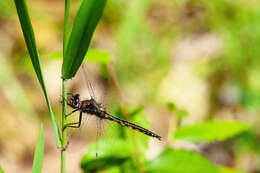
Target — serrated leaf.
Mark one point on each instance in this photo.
(210, 131)
(85, 23)
(93, 55)
(38, 153)
(32, 48)
(180, 161)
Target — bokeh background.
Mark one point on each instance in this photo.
(194, 59)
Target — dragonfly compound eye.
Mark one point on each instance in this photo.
(73, 101)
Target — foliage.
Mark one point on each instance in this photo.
(1, 170)
(180, 161)
(32, 48)
(145, 34)
(6, 8)
(210, 131)
(118, 150)
(110, 155)
(93, 55)
(223, 169)
(39, 152)
(84, 25)
(74, 52)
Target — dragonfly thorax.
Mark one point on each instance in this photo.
(90, 106)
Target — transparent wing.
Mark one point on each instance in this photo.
(88, 83)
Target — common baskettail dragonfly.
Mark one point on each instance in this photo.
(90, 106)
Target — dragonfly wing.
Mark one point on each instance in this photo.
(88, 83)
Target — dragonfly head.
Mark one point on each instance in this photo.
(74, 101)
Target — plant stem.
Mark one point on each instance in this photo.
(64, 132)
(64, 86)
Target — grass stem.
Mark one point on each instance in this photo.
(64, 132)
(64, 85)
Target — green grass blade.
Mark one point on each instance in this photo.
(66, 25)
(84, 25)
(1, 169)
(38, 153)
(32, 48)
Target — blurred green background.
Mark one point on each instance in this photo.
(179, 65)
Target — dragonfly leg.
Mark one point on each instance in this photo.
(74, 125)
(72, 112)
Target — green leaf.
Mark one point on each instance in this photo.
(93, 55)
(180, 161)
(1, 169)
(210, 131)
(136, 111)
(108, 155)
(32, 48)
(181, 113)
(85, 23)
(101, 163)
(97, 55)
(38, 153)
(7, 9)
(223, 169)
(171, 106)
(137, 117)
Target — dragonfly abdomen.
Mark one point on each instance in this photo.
(105, 115)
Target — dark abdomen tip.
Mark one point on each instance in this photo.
(158, 137)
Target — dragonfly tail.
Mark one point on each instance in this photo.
(105, 115)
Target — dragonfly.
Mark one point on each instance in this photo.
(92, 107)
